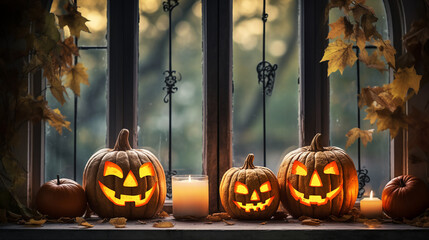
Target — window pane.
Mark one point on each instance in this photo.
(187, 101)
(91, 122)
(344, 111)
(282, 48)
(96, 12)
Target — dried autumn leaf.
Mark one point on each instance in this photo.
(386, 49)
(163, 214)
(372, 223)
(339, 55)
(75, 77)
(73, 20)
(56, 119)
(302, 218)
(214, 218)
(164, 224)
(141, 221)
(367, 24)
(359, 37)
(80, 220)
(386, 119)
(405, 78)
(372, 61)
(222, 215)
(264, 223)
(35, 222)
(68, 49)
(355, 133)
(311, 222)
(86, 224)
(118, 222)
(361, 9)
(341, 27)
(227, 222)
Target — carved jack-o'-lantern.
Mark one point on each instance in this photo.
(124, 182)
(249, 192)
(318, 181)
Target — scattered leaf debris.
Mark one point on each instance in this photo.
(34, 222)
(263, 223)
(141, 221)
(118, 222)
(227, 222)
(311, 222)
(372, 223)
(163, 224)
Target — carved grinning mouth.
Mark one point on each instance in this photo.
(110, 194)
(260, 206)
(314, 199)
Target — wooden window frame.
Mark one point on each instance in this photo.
(217, 85)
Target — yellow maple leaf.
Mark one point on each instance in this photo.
(341, 26)
(68, 49)
(405, 78)
(394, 121)
(339, 55)
(372, 61)
(56, 119)
(386, 49)
(73, 20)
(75, 77)
(355, 133)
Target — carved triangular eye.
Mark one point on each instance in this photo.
(240, 188)
(299, 169)
(112, 169)
(331, 168)
(146, 170)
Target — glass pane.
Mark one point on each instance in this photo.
(91, 114)
(96, 12)
(344, 116)
(282, 48)
(59, 148)
(187, 101)
(91, 122)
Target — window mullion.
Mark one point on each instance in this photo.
(217, 94)
(314, 83)
(122, 69)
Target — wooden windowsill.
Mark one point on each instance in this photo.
(217, 230)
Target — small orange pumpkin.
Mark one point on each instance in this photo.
(249, 192)
(318, 181)
(124, 182)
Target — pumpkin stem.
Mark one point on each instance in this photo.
(58, 179)
(122, 143)
(316, 144)
(248, 163)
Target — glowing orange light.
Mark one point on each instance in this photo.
(130, 180)
(313, 199)
(146, 170)
(112, 169)
(265, 187)
(315, 180)
(240, 188)
(331, 168)
(255, 196)
(110, 194)
(299, 169)
(260, 206)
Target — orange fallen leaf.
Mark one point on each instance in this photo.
(163, 224)
(118, 222)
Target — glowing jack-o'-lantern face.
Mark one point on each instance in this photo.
(249, 192)
(256, 204)
(145, 170)
(317, 181)
(299, 169)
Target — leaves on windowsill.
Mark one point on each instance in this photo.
(141, 222)
(311, 222)
(162, 214)
(163, 224)
(82, 222)
(33, 222)
(228, 222)
(118, 222)
(372, 223)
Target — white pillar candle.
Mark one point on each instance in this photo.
(190, 196)
(371, 207)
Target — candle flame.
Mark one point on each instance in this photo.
(189, 179)
(371, 195)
